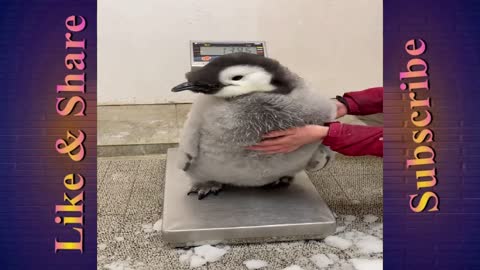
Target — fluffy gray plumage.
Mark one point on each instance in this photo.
(212, 147)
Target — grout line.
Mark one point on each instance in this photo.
(104, 176)
(124, 215)
(341, 188)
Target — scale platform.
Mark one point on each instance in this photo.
(242, 215)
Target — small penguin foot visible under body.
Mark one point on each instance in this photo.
(206, 188)
(283, 181)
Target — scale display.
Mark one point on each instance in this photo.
(203, 52)
(226, 50)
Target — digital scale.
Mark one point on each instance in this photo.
(240, 215)
(202, 52)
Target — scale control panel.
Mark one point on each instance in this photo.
(202, 52)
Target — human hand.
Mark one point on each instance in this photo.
(285, 141)
(341, 109)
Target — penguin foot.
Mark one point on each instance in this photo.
(320, 159)
(204, 189)
(283, 181)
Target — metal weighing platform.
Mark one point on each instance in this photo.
(242, 215)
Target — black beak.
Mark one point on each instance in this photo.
(195, 87)
(184, 86)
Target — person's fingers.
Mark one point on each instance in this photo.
(272, 148)
(266, 148)
(279, 133)
(286, 140)
(279, 151)
(289, 149)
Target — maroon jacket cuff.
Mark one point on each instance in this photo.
(334, 131)
(365, 102)
(354, 140)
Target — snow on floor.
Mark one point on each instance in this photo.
(369, 244)
(352, 248)
(357, 244)
(349, 219)
(367, 264)
(365, 243)
(338, 242)
(210, 253)
(157, 226)
(321, 260)
(196, 261)
(339, 229)
(147, 228)
(201, 255)
(255, 264)
(185, 258)
(118, 265)
(119, 239)
(293, 267)
(127, 264)
(370, 218)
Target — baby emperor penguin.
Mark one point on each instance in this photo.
(245, 96)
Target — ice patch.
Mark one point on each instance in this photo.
(349, 219)
(185, 258)
(339, 229)
(255, 264)
(199, 256)
(345, 266)
(321, 260)
(123, 265)
(118, 265)
(293, 267)
(370, 218)
(157, 226)
(369, 244)
(148, 228)
(376, 229)
(367, 264)
(338, 242)
(210, 253)
(196, 261)
(119, 239)
(333, 257)
(365, 243)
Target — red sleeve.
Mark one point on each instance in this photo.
(365, 102)
(355, 140)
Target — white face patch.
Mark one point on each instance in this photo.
(244, 79)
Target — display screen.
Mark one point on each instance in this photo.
(226, 50)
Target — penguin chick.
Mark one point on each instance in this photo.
(244, 97)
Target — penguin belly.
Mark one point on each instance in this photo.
(240, 167)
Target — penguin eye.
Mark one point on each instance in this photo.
(237, 78)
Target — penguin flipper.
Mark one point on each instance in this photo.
(190, 137)
(320, 159)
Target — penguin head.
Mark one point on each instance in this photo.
(237, 74)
